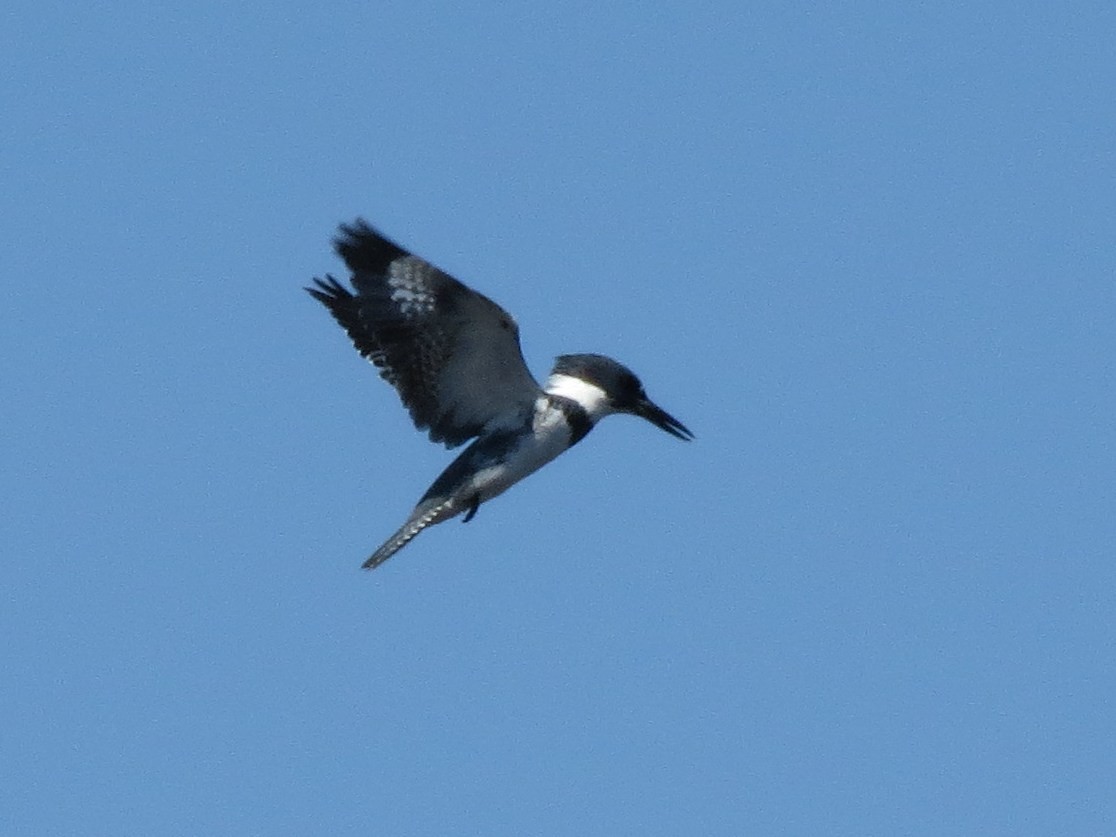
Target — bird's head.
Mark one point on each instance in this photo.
(603, 386)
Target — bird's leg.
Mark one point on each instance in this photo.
(474, 504)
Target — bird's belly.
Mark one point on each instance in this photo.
(497, 478)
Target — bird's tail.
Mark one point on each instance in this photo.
(426, 514)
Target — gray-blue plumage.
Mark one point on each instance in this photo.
(453, 355)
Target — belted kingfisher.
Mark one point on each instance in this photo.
(453, 356)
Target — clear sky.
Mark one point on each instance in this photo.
(863, 250)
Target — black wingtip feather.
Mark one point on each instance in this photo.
(366, 250)
(342, 305)
(329, 291)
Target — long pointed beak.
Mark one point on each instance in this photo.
(663, 420)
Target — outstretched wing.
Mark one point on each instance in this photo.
(451, 353)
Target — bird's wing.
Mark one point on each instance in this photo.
(451, 353)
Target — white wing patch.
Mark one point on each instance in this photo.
(409, 292)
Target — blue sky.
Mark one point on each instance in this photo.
(864, 251)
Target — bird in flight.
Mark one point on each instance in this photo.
(453, 356)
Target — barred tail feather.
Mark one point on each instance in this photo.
(425, 515)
